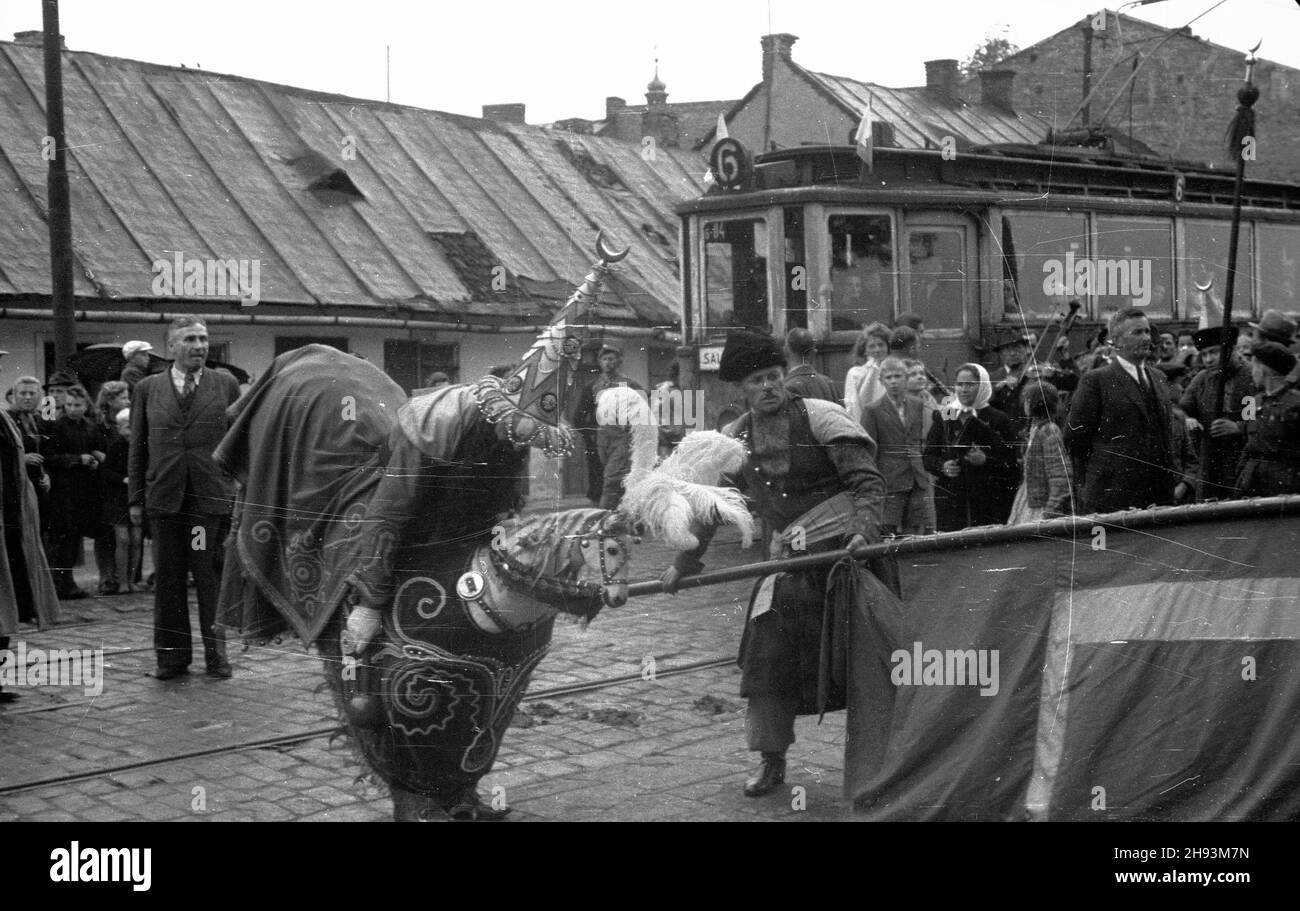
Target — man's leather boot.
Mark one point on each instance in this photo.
(770, 774)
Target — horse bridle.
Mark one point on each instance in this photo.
(600, 534)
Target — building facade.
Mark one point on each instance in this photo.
(1179, 101)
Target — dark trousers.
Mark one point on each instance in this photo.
(106, 558)
(595, 472)
(769, 723)
(13, 545)
(176, 554)
(63, 551)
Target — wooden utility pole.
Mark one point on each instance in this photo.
(60, 206)
(1087, 74)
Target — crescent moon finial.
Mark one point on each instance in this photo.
(1205, 287)
(606, 253)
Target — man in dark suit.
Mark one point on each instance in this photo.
(1118, 426)
(177, 419)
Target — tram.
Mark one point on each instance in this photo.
(982, 245)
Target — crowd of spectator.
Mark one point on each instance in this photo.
(73, 467)
(1123, 425)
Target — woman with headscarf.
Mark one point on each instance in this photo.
(971, 452)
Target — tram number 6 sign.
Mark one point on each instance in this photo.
(730, 164)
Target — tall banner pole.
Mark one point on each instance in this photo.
(1241, 142)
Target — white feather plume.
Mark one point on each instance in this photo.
(683, 489)
(624, 406)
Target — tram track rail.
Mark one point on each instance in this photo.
(290, 739)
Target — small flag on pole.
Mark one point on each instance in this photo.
(863, 138)
(1211, 310)
(721, 131)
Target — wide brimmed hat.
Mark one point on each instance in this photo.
(1275, 326)
(746, 352)
(531, 399)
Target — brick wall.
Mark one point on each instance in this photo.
(1182, 98)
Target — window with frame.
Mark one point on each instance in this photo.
(1133, 265)
(1205, 245)
(1038, 250)
(861, 270)
(1279, 267)
(937, 276)
(736, 294)
(796, 271)
(285, 343)
(411, 363)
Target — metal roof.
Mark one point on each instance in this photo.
(923, 116)
(165, 159)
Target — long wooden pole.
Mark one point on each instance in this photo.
(1081, 528)
(1242, 128)
(59, 196)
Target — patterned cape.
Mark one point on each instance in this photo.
(308, 445)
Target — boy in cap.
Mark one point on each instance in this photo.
(137, 362)
(56, 387)
(1270, 464)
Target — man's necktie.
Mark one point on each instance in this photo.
(187, 390)
(1142, 378)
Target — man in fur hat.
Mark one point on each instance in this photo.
(1219, 478)
(812, 471)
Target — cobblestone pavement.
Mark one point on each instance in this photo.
(667, 748)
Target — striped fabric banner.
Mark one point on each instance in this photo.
(1147, 672)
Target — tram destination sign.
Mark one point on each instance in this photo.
(711, 357)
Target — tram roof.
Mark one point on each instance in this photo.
(1064, 171)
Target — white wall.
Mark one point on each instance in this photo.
(253, 347)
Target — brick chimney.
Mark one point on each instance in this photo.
(504, 113)
(941, 75)
(995, 87)
(775, 46)
(613, 104)
(36, 39)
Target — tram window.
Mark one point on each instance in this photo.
(735, 274)
(1035, 252)
(862, 270)
(1133, 265)
(1207, 259)
(796, 271)
(938, 271)
(1279, 267)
